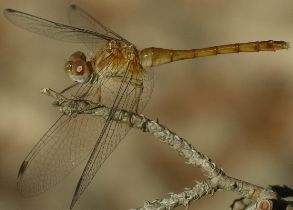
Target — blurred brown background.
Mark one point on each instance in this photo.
(237, 109)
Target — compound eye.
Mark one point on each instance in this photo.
(77, 68)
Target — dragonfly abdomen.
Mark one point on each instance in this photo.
(158, 56)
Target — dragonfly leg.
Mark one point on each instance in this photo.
(77, 96)
(137, 99)
(99, 94)
(138, 85)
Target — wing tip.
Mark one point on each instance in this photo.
(9, 10)
(22, 169)
(21, 172)
(76, 194)
(73, 6)
(72, 203)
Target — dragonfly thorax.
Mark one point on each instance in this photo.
(117, 57)
(77, 68)
(122, 49)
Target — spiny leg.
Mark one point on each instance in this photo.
(99, 93)
(138, 98)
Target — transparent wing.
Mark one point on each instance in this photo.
(63, 147)
(54, 30)
(105, 146)
(128, 97)
(71, 139)
(81, 19)
(148, 86)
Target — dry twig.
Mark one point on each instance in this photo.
(254, 197)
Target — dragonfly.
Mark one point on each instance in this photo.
(118, 75)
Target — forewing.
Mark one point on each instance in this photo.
(63, 147)
(81, 19)
(53, 30)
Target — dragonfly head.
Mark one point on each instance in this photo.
(77, 68)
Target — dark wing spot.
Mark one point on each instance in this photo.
(22, 168)
(73, 6)
(9, 10)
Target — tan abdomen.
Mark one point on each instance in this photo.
(158, 56)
